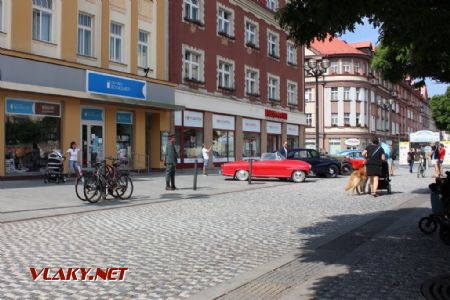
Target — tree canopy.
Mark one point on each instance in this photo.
(440, 106)
(414, 34)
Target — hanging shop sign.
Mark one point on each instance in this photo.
(269, 113)
(352, 142)
(251, 125)
(273, 127)
(223, 122)
(106, 84)
(424, 136)
(123, 117)
(292, 129)
(29, 107)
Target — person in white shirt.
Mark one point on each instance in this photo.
(205, 154)
(73, 160)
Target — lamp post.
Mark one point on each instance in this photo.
(386, 106)
(317, 68)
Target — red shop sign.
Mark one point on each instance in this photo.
(276, 114)
(47, 109)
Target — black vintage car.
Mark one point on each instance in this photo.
(321, 166)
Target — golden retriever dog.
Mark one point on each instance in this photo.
(357, 181)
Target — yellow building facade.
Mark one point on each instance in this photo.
(88, 71)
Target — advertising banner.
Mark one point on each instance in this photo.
(403, 153)
(447, 152)
(105, 84)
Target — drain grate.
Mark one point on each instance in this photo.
(437, 288)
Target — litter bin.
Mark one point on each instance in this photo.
(437, 207)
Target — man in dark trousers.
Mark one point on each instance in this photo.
(170, 161)
(284, 150)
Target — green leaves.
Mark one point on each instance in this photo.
(440, 106)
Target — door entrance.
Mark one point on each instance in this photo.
(273, 142)
(93, 144)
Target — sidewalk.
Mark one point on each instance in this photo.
(33, 198)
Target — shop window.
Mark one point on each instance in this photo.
(124, 140)
(223, 148)
(334, 146)
(252, 145)
(292, 142)
(192, 142)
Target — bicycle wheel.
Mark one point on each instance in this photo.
(427, 225)
(92, 189)
(124, 187)
(79, 188)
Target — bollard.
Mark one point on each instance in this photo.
(195, 175)
(250, 161)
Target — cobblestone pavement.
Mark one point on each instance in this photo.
(177, 249)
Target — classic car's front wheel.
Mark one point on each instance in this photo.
(242, 175)
(298, 176)
(332, 171)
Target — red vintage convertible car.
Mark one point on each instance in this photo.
(271, 165)
(356, 162)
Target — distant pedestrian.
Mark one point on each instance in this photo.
(73, 159)
(411, 155)
(170, 161)
(435, 160)
(392, 164)
(205, 154)
(375, 155)
(284, 150)
(441, 159)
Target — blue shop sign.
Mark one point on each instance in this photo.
(106, 84)
(91, 114)
(20, 107)
(124, 118)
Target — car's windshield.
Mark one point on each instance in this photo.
(272, 156)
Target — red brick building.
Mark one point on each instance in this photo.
(239, 77)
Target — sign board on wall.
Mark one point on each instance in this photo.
(269, 113)
(403, 153)
(424, 136)
(292, 129)
(273, 128)
(91, 114)
(123, 117)
(447, 152)
(193, 119)
(251, 125)
(106, 84)
(223, 122)
(30, 107)
(352, 142)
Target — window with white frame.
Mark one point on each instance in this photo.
(292, 97)
(273, 44)
(42, 20)
(334, 119)
(334, 94)
(193, 62)
(225, 74)
(358, 118)
(347, 118)
(334, 67)
(225, 22)
(308, 95)
(192, 10)
(357, 67)
(358, 94)
(251, 81)
(291, 53)
(272, 4)
(115, 42)
(346, 93)
(143, 49)
(85, 36)
(251, 33)
(308, 120)
(346, 66)
(1, 15)
(273, 87)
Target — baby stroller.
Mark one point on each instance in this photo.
(55, 168)
(422, 167)
(384, 182)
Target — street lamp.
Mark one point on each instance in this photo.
(386, 106)
(317, 68)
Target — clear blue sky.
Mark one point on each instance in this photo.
(367, 33)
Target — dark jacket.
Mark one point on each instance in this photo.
(283, 151)
(171, 154)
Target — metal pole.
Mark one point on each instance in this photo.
(250, 170)
(195, 175)
(317, 112)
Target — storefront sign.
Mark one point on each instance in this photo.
(124, 118)
(193, 119)
(292, 129)
(424, 136)
(251, 125)
(276, 114)
(19, 107)
(106, 84)
(403, 151)
(47, 109)
(91, 114)
(447, 152)
(352, 142)
(223, 122)
(273, 128)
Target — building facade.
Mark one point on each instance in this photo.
(93, 72)
(356, 104)
(238, 76)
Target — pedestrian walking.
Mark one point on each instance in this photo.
(435, 160)
(441, 159)
(374, 155)
(205, 154)
(73, 159)
(392, 165)
(170, 161)
(284, 150)
(411, 155)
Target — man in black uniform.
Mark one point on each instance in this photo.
(170, 161)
